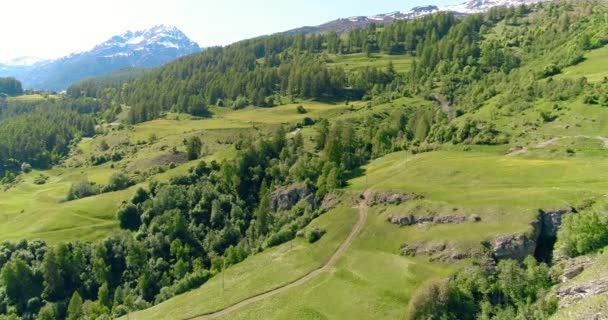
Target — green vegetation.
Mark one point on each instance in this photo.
(482, 116)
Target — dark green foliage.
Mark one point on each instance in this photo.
(476, 293)
(194, 146)
(314, 235)
(10, 87)
(128, 217)
(301, 109)
(38, 135)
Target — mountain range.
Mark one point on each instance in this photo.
(343, 25)
(140, 49)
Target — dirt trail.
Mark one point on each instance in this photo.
(362, 217)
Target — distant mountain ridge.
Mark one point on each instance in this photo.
(469, 7)
(140, 49)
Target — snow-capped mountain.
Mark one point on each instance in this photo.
(462, 9)
(21, 61)
(140, 49)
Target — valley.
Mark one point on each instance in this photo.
(445, 167)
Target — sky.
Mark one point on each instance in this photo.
(54, 28)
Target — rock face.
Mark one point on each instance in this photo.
(285, 198)
(539, 243)
(515, 247)
(551, 221)
(389, 198)
(570, 295)
(329, 202)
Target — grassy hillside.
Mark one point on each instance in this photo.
(486, 122)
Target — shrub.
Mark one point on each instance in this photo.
(40, 179)
(430, 301)
(315, 234)
(301, 109)
(582, 233)
(26, 167)
(118, 181)
(128, 217)
(82, 189)
(280, 237)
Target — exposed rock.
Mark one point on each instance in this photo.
(474, 218)
(569, 295)
(285, 198)
(408, 220)
(551, 221)
(400, 220)
(389, 197)
(449, 219)
(574, 267)
(329, 202)
(515, 247)
(438, 252)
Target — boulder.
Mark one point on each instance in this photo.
(284, 198)
(400, 220)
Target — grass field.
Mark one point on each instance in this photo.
(593, 68)
(353, 62)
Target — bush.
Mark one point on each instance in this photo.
(315, 234)
(301, 109)
(189, 282)
(40, 179)
(26, 167)
(128, 217)
(280, 237)
(82, 189)
(582, 233)
(118, 181)
(430, 301)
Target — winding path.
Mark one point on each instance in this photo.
(362, 217)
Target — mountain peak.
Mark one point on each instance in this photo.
(146, 48)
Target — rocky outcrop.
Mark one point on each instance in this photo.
(389, 198)
(442, 251)
(572, 294)
(551, 220)
(329, 202)
(574, 267)
(538, 243)
(408, 220)
(515, 247)
(285, 198)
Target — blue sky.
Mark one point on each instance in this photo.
(53, 28)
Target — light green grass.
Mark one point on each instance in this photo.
(594, 68)
(354, 62)
(371, 281)
(483, 180)
(259, 273)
